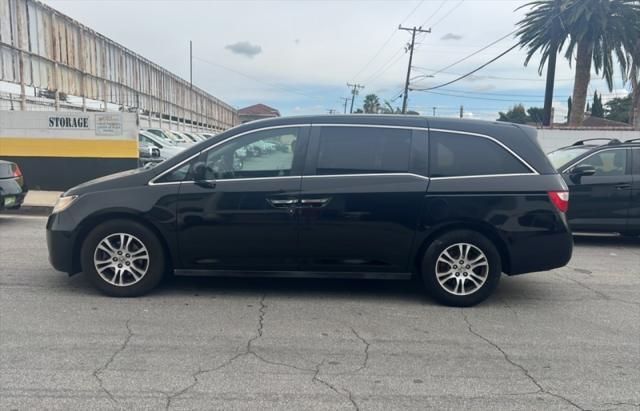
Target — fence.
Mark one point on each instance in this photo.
(47, 50)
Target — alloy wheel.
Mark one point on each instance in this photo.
(462, 269)
(121, 259)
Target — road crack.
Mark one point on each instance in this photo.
(508, 359)
(346, 394)
(101, 369)
(365, 361)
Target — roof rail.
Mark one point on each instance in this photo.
(632, 140)
(610, 141)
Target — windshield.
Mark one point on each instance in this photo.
(561, 157)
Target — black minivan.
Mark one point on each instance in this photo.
(455, 202)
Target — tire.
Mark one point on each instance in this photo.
(136, 278)
(455, 288)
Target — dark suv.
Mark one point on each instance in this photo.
(454, 202)
(604, 182)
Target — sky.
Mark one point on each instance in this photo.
(298, 56)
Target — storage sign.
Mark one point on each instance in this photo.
(67, 122)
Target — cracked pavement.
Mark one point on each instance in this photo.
(565, 339)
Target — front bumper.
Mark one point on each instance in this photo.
(61, 243)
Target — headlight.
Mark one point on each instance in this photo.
(63, 203)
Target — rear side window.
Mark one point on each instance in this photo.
(363, 150)
(607, 163)
(636, 161)
(453, 155)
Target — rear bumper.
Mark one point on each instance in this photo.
(541, 250)
(12, 193)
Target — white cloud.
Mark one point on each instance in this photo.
(451, 36)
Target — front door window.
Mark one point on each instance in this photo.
(266, 153)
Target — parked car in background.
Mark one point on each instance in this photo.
(167, 148)
(148, 153)
(455, 203)
(207, 135)
(12, 186)
(196, 138)
(168, 135)
(604, 184)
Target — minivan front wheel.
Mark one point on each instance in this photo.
(123, 258)
(461, 268)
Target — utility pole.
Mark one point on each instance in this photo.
(354, 92)
(331, 111)
(434, 111)
(190, 64)
(346, 101)
(410, 47)
(461, 111)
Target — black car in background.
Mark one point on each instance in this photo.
(12, 186)
(604, 182)
(453, 202)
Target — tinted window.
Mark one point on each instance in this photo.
(267, 153)
(179, 174)
(459, 155)
(636, 161)
(563, 156)
(362, 150)
(608, 162)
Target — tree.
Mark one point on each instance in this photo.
(388, 109)
(598, 29)
(535, 115)
(541, 30)
(516, 114)
(619, 109)
(569, 105)
(596, 108)
(371, 104)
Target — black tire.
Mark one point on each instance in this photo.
(491, 272)
(155, 266)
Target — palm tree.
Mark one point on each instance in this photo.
(542, 30)
(371, 104)
(598, 29)
(634, 78)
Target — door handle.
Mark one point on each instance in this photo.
(623, 186)
(284, 203)
(314, 202)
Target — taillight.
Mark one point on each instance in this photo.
(560, 199)
(16, 171)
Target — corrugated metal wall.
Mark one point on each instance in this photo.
(43, 48)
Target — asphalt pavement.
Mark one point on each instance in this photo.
(563, 339)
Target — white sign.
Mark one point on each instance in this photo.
(108, 124)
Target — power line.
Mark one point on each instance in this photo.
(447, 14)
(433, 14)
(273, 85)
(387, 41)
(475, 52)
(471, 72)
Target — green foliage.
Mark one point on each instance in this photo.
(596, 108)
(371, 104)
(518, 114)
(619, 109)
(535, 114)
(608, 27)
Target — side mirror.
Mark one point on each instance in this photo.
(578, 172)
(154, 152)
(200, 170)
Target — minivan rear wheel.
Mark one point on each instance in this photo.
(123, 258)
(461, 268)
